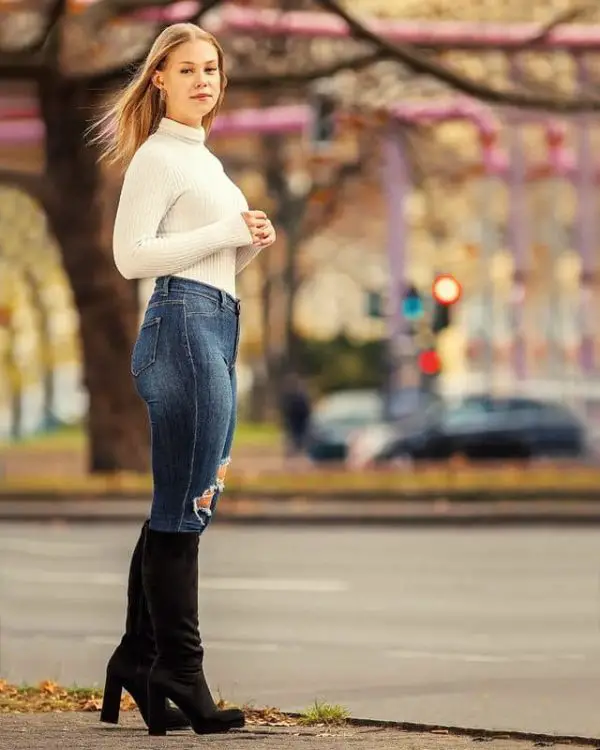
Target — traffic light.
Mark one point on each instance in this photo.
(412, 304)
(375, 307)
(446, 291)
(429, 362)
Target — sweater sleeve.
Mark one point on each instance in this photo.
(245, 255)
(147, 194)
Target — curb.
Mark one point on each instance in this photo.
(311, 511)
(497, 734)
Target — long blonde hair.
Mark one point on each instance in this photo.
(134, 112)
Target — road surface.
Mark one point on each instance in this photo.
(495, 628)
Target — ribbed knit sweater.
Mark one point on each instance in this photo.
(180, 214)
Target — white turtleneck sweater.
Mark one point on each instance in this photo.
(180, 214)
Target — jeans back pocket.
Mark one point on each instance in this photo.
(145, 347)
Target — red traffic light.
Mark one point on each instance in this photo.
(429, 362)
(446, 290)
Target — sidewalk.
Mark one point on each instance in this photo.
(83, 731)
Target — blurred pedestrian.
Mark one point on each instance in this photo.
(295, 412)
(183, 222)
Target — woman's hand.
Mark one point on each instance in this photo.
(261, 229)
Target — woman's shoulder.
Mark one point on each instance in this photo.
(153, 153)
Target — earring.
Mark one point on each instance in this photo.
(162, 95)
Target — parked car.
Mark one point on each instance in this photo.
(338, 416)
(480, 428)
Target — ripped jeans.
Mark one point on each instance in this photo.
(183, 363)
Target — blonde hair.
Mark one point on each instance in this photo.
(135, 111)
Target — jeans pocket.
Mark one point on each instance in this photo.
(146, 347)
(201, 304)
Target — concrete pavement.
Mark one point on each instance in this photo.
(80, 731)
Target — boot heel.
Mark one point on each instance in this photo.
(111, 701)
(157, 711)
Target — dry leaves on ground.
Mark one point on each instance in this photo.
(48, 696)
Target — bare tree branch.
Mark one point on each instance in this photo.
(302, 77)
(117, 75)
(257, 81)
(566, 16)
(103, 11)
(423, 65)
(27, 63)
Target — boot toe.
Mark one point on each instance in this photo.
(220, 721)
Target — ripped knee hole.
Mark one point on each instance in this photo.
(204, 502)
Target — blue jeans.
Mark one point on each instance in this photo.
(183, 363)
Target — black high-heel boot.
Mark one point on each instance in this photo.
(130, 663)
(170, 572)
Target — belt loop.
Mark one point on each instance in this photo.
(222, 298)
(164, 285)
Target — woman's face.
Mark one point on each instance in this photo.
(191, 80)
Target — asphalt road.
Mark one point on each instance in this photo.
(495, 628)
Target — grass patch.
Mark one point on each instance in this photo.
(248, 434)
(63, 439)
(327, 714)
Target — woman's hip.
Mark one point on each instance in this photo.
(183, 337)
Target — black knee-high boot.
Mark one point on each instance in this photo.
(130, 663)
(170, 571)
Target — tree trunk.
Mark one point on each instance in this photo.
(106, 303)
(45, 348)
(290, 283)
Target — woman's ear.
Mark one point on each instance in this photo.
(157, 80)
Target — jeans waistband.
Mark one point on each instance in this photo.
(166, 285)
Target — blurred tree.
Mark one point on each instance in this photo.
(341, 363)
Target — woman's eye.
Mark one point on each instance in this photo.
(212, 70)
(186, 70)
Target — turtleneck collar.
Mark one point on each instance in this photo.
(181, 131)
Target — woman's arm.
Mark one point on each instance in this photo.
(245, 255)
(147, 194)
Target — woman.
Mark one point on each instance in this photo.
(182, 221)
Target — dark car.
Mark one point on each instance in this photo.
(338, 416)
(488, 428)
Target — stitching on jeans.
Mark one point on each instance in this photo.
(236, 346)
(188, 488)
(165, 302)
